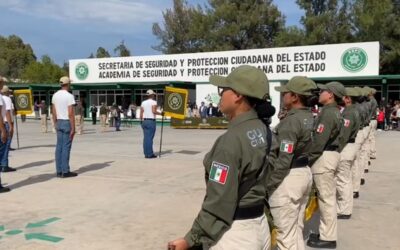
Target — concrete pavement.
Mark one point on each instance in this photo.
(122, 201)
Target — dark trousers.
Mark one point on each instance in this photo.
(94, 118)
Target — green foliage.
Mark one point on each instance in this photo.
(15, 55)
(220, 25)
(121, 50)
(45, 71)
(102, 53)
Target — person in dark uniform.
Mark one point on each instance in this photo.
(232, 213)
(290, 180)
(325, 157)
(93, 111)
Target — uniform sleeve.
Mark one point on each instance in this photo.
(322, 132)
(281, 155)
(219, 205)
(346, 129)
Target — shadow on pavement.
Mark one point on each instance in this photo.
(93, 167)
(32, 180)
(35, 164)
(46, 177)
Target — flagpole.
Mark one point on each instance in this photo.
(162, 129)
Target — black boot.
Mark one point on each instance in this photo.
(315, 242)
(343, 216)
(4, 189)
(356, 195)
(362, 181)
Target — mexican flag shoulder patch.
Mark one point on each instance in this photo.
(219, 172)
(346, 123)
(320, 128)
(287, 146)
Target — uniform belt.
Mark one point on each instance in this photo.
(300, 162)
(352, 140)
(331, 148)
(250, 212)
(149, 119)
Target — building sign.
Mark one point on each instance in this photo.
(332, 60)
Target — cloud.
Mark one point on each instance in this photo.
(132, 12)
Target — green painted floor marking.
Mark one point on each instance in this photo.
(14, 232)
(43, 236)
(42, 223)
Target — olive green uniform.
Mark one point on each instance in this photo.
(366, 130)
(357, 166)
(373, 125)
(351, 126)
(235, 157)
(290, 179)
(324, 157)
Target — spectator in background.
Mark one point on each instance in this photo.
(196, 111)
(388, 120)
(93, 111)
(117, 117)
(133, 109)
(103, 116)
(211, 111)
(79, 117)
(43, 115)
(203, 110)
(36, 108)
(188, 111)
(398, 116)
(381, 119)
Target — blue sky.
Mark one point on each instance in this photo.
(70, 29)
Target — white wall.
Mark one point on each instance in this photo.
(204, 90)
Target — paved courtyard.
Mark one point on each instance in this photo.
(122, 201)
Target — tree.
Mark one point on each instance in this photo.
(15, 55)
(121, 50)
(326, 21)
(102, 53)
(220, 25)
(179, 34)
(45, 71)
(379, 21)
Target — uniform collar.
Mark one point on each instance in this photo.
(334, 104)
(293, 111)
(249, 115)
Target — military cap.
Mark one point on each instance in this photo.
(359, 91)
(335, 87)
(352, 92)
(373, 90)
(245, 80)
(298, 84)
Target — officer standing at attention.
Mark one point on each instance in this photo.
(366, 130)
(324, 159)
(290, 179)
(374, 123)
(358, 166)
(232, 214)
(351, 126)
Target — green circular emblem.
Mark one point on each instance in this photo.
(81, 71)
(354, 59)
(23, 101)
(175, 101)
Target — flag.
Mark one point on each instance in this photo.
(287, 146)
(346, 123)
(320, 128)
(23, 101)
(175, 102)
(219, 172)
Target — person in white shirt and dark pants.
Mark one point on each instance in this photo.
(148, 112)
